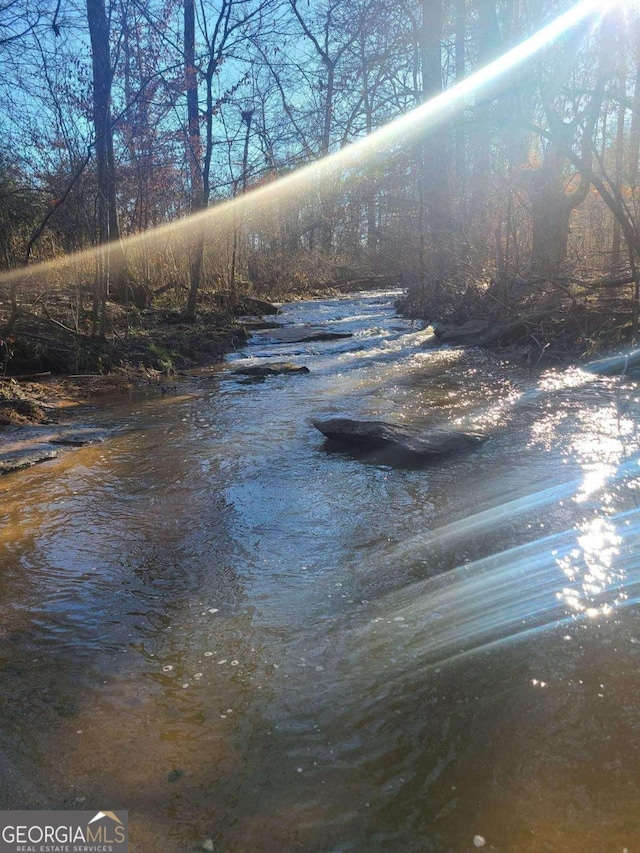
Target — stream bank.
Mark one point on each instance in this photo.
(540, 321)
(147, 352)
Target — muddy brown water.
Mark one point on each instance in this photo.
(214, 621)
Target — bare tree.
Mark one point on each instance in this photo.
(223, 36)
(113, 277)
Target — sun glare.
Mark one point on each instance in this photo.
(402, 130)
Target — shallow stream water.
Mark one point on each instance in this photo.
(218, 622)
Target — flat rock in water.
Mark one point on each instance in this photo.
(272, 368)
(304, 334)
(16, 460)
(24, 446)
(259, 325)
(80, 437)
(382, 436)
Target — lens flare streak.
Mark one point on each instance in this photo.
(404, 130)
(557, 580)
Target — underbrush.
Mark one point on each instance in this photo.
(567, 318)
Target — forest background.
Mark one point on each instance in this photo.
(118, 116)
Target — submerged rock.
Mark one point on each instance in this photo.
(306, 334)
(80, 438)
(271, 368)
(24, 446)
(175, 775)
(382, 436)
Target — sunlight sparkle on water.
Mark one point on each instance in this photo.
(571, 377)
(590, 568)
(595, 478)
(495, 415)
(601, 444)
(603, 437)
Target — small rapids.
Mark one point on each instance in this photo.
(218, 622)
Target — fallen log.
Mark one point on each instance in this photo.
(482, 333)
(617, 365)
(25, 376)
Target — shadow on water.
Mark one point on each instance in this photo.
(215, 622)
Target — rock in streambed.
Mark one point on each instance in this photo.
(400, 441)
(23, 447)
(304, 334)
(271, 368)
(16, 460)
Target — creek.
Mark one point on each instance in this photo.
(237, 633)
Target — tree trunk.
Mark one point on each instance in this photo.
(327, 204)
(247, 117)
(551, 206)
(113, 278)
(435, 206)
(107, 217)
(194, 153)
(633, 152)
(460, 141)
(550, 238)
(370, 190)
(550, 211)
(617, 232)
(488, 49)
